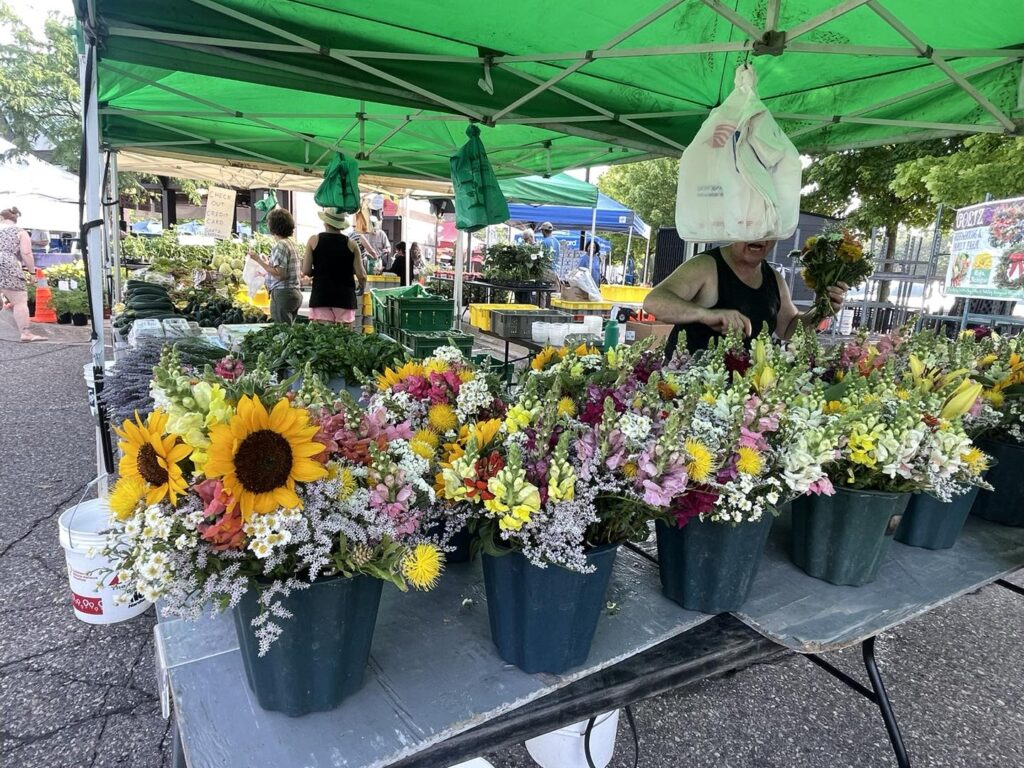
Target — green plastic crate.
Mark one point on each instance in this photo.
(413, 313)
(423, 343)
(380, 296)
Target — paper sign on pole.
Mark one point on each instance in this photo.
(220, 212)
(986, 254)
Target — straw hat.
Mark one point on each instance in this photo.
(334, 217)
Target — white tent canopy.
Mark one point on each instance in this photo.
(46, 195)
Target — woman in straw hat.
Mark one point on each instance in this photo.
(335, 264)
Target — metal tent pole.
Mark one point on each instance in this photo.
(593, 234)
(647, 263)
(115, 228)
(625, 262)
(460, 255)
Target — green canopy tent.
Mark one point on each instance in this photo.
(560, 189)
(287, 83)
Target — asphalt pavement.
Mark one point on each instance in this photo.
(74, 695)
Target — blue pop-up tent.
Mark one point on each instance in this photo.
(612, 216)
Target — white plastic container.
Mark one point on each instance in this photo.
(564, 748)
(558, 332)
(541, 332)
(81, 529)
(594, 325)
(476, 762)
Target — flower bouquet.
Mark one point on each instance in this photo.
(286, 507)
(830, 259)
(446, 400)
(895, 438)
(511, 263)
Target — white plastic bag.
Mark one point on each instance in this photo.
(254, 276)
(582, 279)
(739, 180)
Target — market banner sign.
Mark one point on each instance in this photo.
(220, 212)
(986, 255)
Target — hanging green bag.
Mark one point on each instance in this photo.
(263, 209)
(340, 187)
(478, 198)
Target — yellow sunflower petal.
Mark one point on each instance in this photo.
(306, 471)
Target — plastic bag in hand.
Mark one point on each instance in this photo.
(739, 180)
(582, 279)
(253, 275)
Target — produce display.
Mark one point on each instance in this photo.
(144, 301)
(209, 309)
(331, 351)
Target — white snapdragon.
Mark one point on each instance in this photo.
(473, 396)
(635, 427)
(448, 354)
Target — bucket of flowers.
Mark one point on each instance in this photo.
(569, 477)
(753, 439)
(894, 439)
(939, 367)
(445, 399)
(1000, 426)
(290, 509)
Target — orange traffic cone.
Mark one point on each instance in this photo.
(44, 308)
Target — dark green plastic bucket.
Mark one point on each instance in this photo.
(1005, 502)
(543, 619)
(710, 567)
(934, 524)
(844, 538)
(321, 656)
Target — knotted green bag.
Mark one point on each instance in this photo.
(340, 187)
(478, 198)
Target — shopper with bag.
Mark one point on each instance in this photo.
(732, 288)
(282, 268)
(335, 264)
(15, 260)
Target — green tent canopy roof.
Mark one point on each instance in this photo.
(561, 189)
(581, 83)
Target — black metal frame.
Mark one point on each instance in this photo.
(1010, 586)
(876, 695)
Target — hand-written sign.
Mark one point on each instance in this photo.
(220, 212)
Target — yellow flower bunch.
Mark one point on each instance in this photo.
(515, 498)
(390, 377)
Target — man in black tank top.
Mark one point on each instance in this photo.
(729, 288)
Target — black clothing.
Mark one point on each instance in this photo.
(398, 268)
(760, 305)
(334, 272)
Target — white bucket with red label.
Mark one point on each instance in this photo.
(93, 585)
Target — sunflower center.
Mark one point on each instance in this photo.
(149, 466)
(263, 461)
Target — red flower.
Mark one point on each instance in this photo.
(225, 530)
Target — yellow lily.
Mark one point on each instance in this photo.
(962, 400)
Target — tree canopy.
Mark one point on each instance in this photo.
(647, 187)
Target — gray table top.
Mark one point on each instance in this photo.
(812, 616)
(433, 673)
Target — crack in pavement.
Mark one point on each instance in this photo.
(46, 518)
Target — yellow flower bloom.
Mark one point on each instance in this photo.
(708, 398)
(517, 418)
(629, 469)
(428, 436)
(435, 366)
(421, 449)
(862, 450)
(749, 461)
(976, 461)
(566, 407)
(546, 357)
(153, 457)
(465, 376)
(484, 432)
(346, 483)
(699, 466)
(422, 566)
(809, 281)
(986, 360)
(902, 394)
(125, 497)
(260, 455)
(995, 397)
(391, 377)
(441, 418)
(833, 406)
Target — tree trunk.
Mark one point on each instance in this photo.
(891, 231)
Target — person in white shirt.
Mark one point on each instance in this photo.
(379, 240)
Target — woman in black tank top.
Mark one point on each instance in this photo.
(730, 288)
(760, 305)
(334, 263)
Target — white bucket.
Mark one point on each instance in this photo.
(80, 532)
(476, 762)
(564, 748)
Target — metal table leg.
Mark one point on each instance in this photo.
(177, 753)
(876, 695)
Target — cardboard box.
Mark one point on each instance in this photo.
(635, 331)
(572, 293)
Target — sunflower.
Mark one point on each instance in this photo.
(422, 566)
(261, 455)
(749, 461)
(566, 407)
(699, 466)
(125, 497)
(389, 378)
(441, 418)
(546, 357)
(152, 457)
